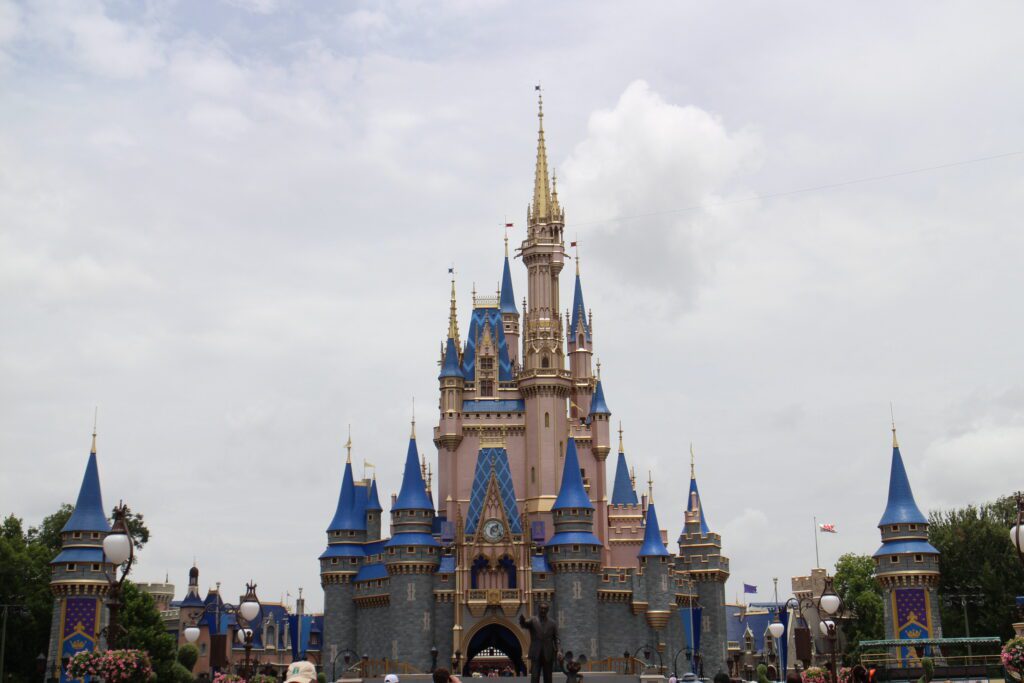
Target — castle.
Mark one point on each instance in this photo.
(523, 513)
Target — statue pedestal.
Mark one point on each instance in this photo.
(1018, 628)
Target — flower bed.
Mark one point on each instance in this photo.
(113, 666)
(815, 674)
(1013, 655)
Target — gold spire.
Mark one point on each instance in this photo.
(576, 244)
(650, 488)
(430, 477)
(348, 446)
(95, 418)
(692, 458)
(555, 208)
(632, 476)
(412, 432)
(895, 443)
(453, 316)
(423, 469)
(541, 208)
(621, 449)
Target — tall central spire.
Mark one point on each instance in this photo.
(541, 208)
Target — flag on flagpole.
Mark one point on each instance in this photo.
(828, 528)
(509, 225)
(747, 588)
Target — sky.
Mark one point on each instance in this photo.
(229, 226)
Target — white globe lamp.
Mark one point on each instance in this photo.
(117, 547)
(830, 603)
(776, 629)
(192, 634)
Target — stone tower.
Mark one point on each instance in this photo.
(907, 565)
(412, 557)
(656, 572)
(700, 554)
(340, 563)
(79, 582)
(574, 554)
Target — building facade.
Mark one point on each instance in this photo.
(523, 512)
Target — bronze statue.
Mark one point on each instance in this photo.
(543, 643)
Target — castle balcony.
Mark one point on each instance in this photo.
(507, 599)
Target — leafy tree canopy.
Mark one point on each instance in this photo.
(854, 582)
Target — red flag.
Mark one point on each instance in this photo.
(572, 244)
(828, 528)
(508, 225)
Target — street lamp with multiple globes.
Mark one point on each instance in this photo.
(829, 606)
(1017, 538)
(119, 551)
(248, 611)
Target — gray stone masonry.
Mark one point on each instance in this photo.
(339, 617)
(411, 619)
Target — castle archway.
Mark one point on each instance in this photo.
(491, 637)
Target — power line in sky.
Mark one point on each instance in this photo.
(814, 188)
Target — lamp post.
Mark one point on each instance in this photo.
(647, 656)
(347, 655)
(675, 660)
(248, 611)
(456, 658)
(433, 657)
(119, 550)
(828, 606)
(1017, 538)
(777, 629)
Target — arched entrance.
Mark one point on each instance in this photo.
(491, 640)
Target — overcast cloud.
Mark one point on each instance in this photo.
(229, 226)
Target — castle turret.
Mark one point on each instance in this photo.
(544, 382)
(509, 313)
(574, 554)
(412, 556)
(340, 562)
(448, 433)
(625, 516)
(700, 554)
(373, 512)
(907, 565)
(654, 564)
(190, 612)
(581, 352)
(78, 581)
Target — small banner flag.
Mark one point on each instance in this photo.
(537, 534)
(828, 528)
(572, 244)
(747, 588)
(447, 532)
(509, 225)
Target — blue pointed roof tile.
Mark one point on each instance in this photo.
(695, 496)
(373, 500)
(451, 361)
(598, 406)
(572, 494)
(901, 507)
(345, 516)
(508, 297)
(88, 514)
(413, 495)
(652, 547)
(578, 312)
(622, 491)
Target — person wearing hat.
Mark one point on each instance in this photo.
(391, 678)
(301, 672)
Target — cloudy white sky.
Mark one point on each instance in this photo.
(229, 226)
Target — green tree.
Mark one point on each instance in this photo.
(188, 655)
(854, 582)
(978, 557)
(144, 630)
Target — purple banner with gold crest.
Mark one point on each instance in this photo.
(912, 619)
(80, 625)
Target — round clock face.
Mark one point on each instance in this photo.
(493, 530)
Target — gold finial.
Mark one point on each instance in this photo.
(650, 488)
(540, 210)
(632, 476)
(95, 419)
(555, 208)
(453, 316)
(895, 443)
(430, 477)
(474, 296)
(348, 446)
(575, 244)
(423, 467)
(692, 459)
(598, 369)
(412, 433)
(621, 449)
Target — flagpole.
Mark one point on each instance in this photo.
(817, 560)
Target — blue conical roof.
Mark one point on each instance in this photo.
(451, 361)
(413, 495)
(693, 501)
(88, 514)
(345, 516)
(901, 507)
(508, 297)
(598, 406)
(622, 491)
(572, 494)
(579, 311)
(652, 547)
(373, 501)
